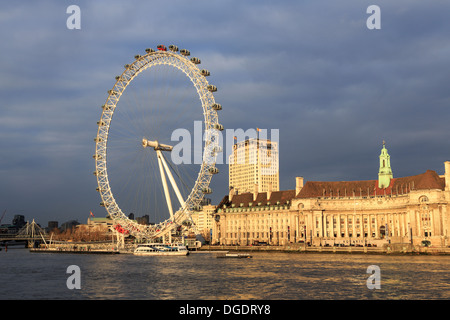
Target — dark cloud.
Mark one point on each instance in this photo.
(311, 69)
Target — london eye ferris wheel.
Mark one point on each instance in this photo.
(157, 94)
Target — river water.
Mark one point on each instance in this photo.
(201, 276)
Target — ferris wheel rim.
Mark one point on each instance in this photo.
(211, 147)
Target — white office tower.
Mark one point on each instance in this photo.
(253, 166)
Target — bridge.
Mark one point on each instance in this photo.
(29, 234)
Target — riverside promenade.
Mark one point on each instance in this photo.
(397, 248)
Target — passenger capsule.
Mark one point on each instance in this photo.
(218, 126)
(217, 106)
(161, 47)
(204, 72)
(149, 50)
(195, 60)
(207, 190)
(126, 66)
(137, 56)
(105, 107)
(98, 139)
(102, 204)
(185, 52)
(205, 201)
(186, 223)
(212, 88)
(112, 92)
(173, 48)
(213, 170)
(217, 149)
(100, 123)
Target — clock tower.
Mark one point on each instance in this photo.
(385, 172)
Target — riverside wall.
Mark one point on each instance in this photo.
(398, 248)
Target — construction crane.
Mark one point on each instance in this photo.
(4, 212)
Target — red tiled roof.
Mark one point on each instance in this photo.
(428, 180)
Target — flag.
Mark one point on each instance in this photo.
(257, 129)
(235, 138)
(92, 214)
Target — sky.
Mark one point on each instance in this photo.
(334, 88)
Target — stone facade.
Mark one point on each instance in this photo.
(411, 216)
(250, 218)
(347, 213)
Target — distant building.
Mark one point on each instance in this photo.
(254, 162)
(145, 220)
(69, 225)
(100, 222)
(102, 226)
(8, 229)
(204, 219)
(52, 225)
(19, 221)
(411, 209)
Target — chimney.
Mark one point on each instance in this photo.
(298, 185)
(255, 191)
(230, 194)
(447, 175)
(269, 191)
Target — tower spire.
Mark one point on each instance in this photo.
(385, 173)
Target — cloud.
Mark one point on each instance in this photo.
(311, 69)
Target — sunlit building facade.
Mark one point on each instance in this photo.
(254, 162)
(203, 220)
(409, 209)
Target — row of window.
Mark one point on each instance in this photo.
(281, 234)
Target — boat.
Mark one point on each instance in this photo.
(234, 255)
(161, 249)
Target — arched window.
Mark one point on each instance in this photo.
(382, 231)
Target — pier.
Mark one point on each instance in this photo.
(81, 250)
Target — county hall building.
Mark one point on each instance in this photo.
(411, 209)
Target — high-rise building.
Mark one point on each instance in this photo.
(254, 164)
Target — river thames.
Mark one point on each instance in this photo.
(201, 276)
